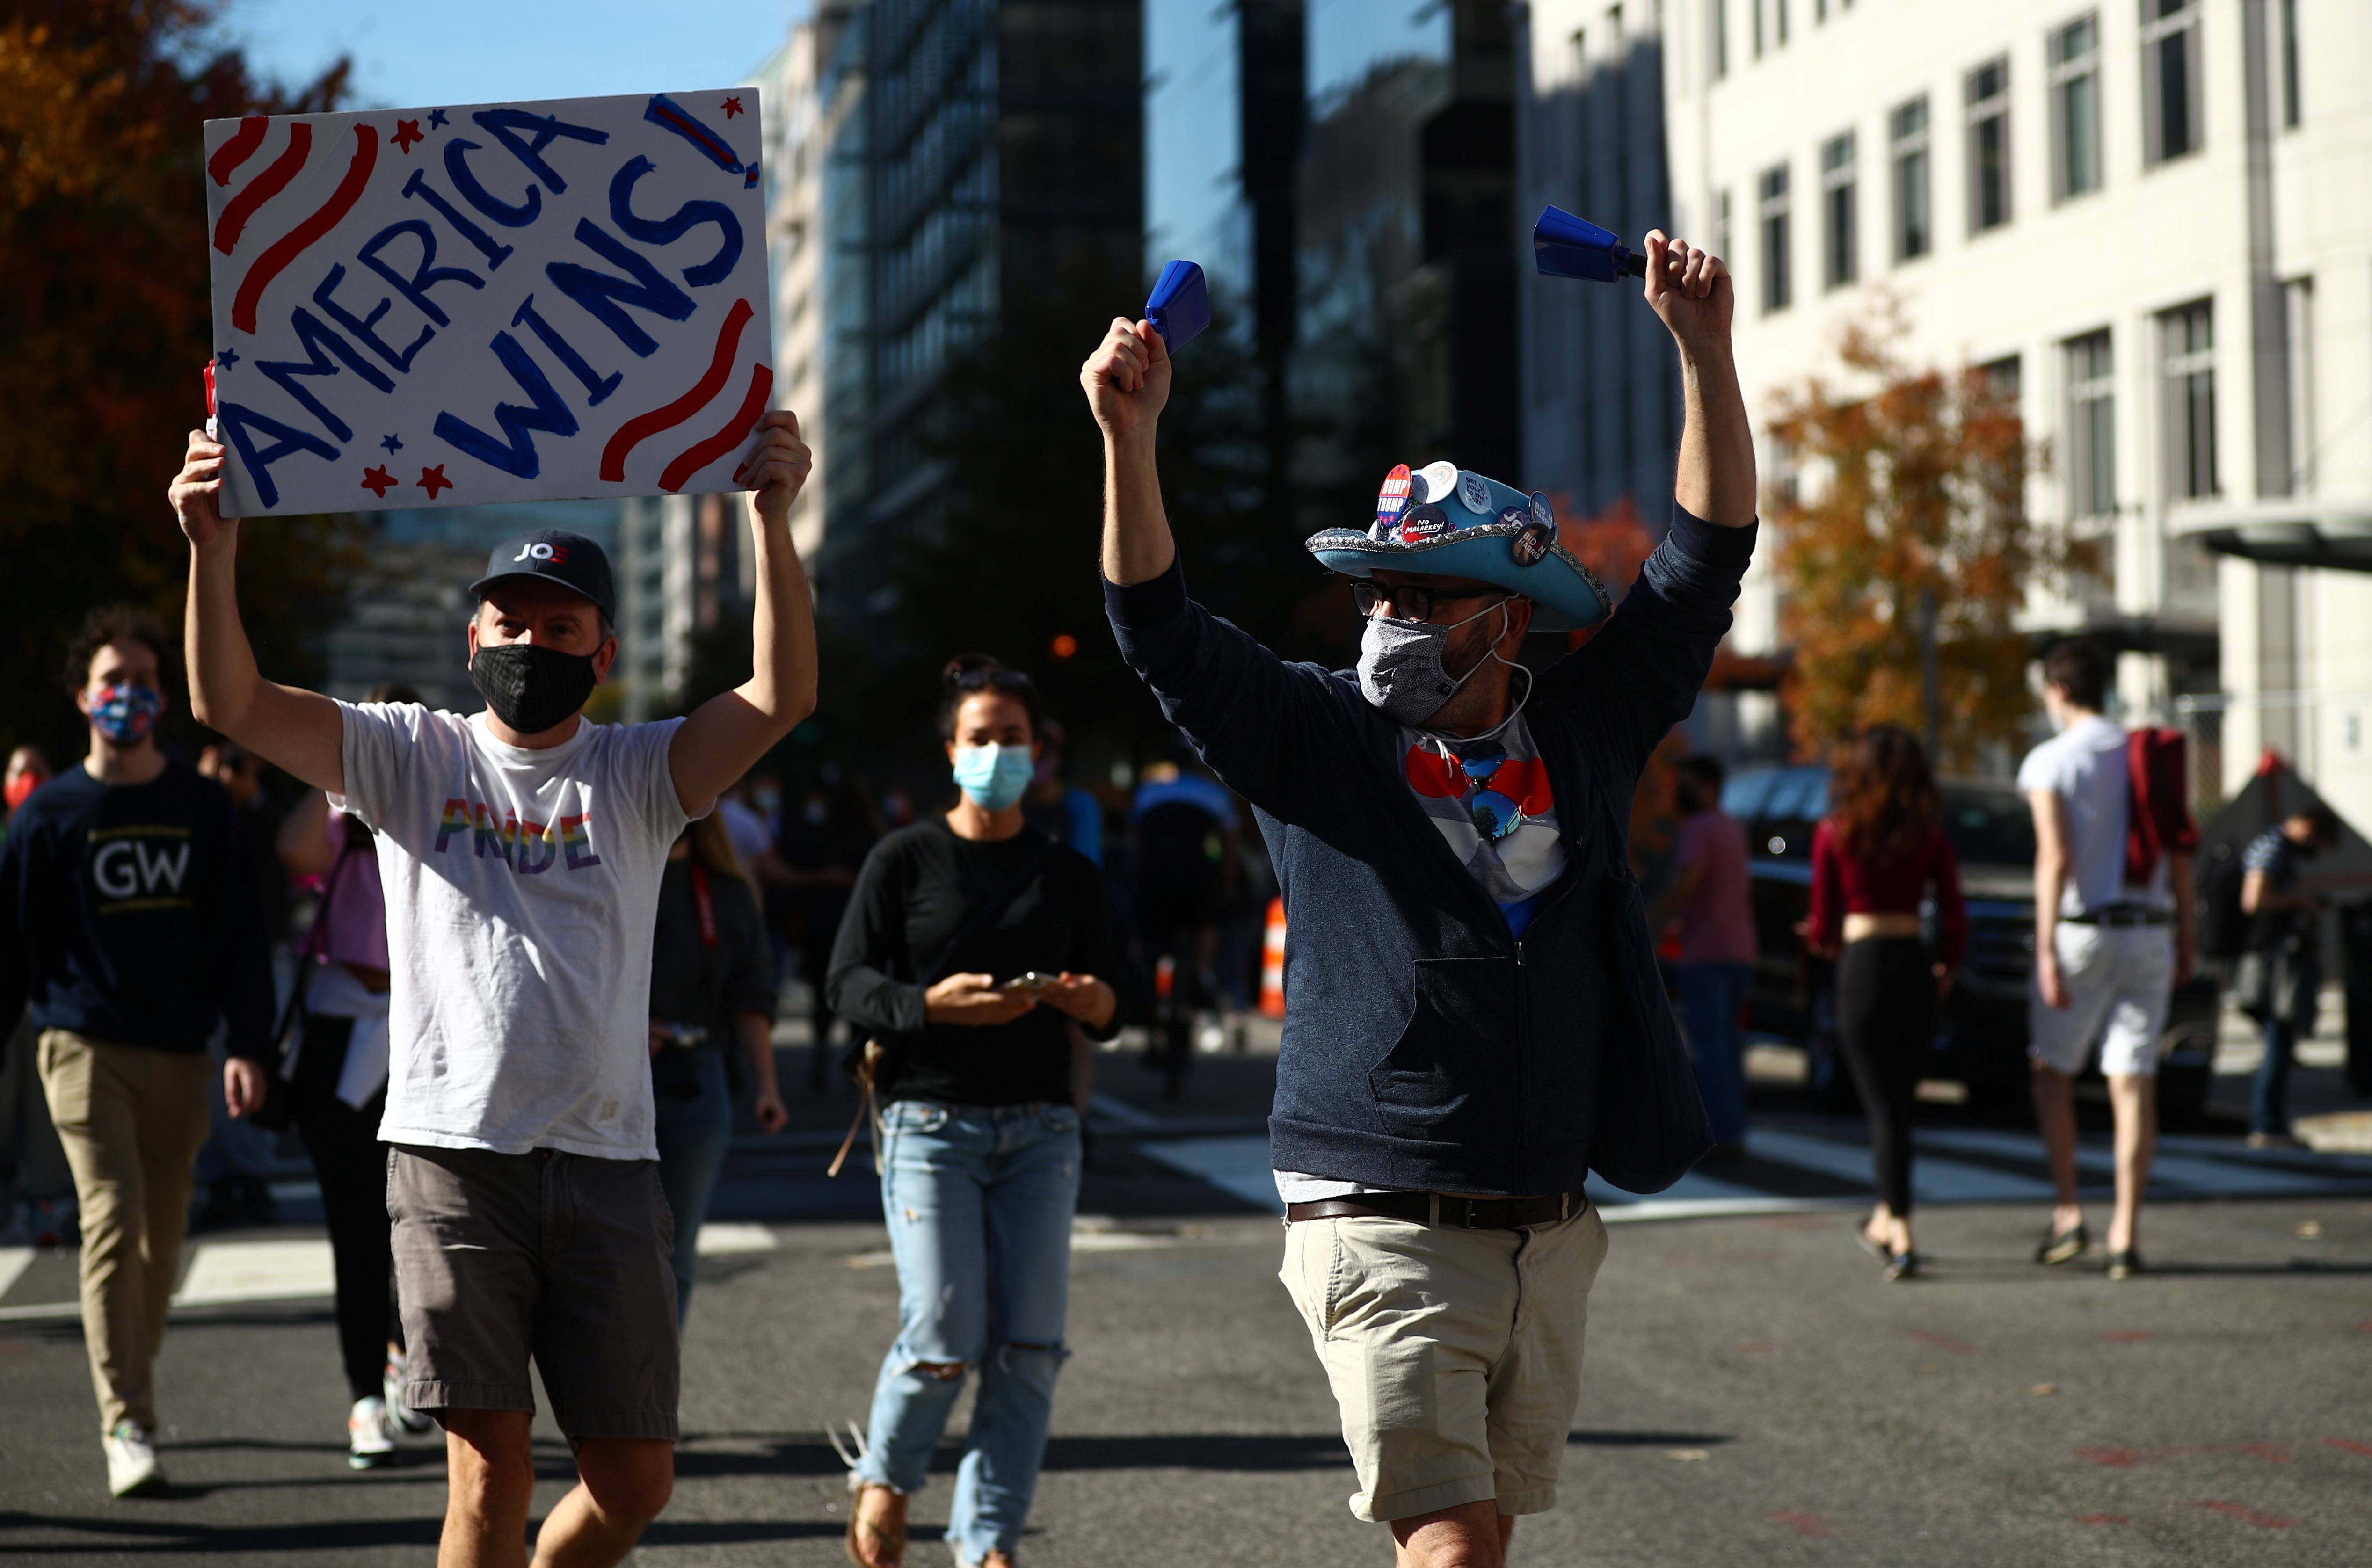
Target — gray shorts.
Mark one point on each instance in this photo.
(558, 1257)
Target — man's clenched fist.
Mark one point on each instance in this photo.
(1127, 380)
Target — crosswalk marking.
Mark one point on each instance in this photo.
(2003, 1166)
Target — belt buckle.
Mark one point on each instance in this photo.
(1468, 1222)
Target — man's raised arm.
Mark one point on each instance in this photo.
(302, 731)
(725, 736)
(1127, 382)
(1692, 291)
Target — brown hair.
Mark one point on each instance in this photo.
(116, 623)
(2082, 668)
(1883, 796)
(713, 847)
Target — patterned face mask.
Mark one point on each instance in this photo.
(125, 710)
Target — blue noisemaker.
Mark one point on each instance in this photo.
(1180, 304)
(1568, 246)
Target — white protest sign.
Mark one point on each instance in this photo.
(497, 302)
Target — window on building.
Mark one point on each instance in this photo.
(1988, 101)
(2291, 110)
(1721, 244)
(2297, 313)
(1756, 6)
(2170, 126)
(1914, 229)
(2092, 427)
(1779, 8)
(1777, 286)
(2075, 107)
(1719, 11)
(2187, 354)
(1840, 237)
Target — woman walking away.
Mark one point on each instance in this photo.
(711, 981)
(337, 1080)
(972, 941)
(1874, 857)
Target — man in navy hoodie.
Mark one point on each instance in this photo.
(1473, 1016)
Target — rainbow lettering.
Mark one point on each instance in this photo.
(457, 820)
(529, 847)
(529, 835)
(577, 842)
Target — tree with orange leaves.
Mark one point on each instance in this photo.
(104, 313)
(1909, 500)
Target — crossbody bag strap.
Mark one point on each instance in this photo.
(876, 1053)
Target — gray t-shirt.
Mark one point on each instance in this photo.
(521, 890)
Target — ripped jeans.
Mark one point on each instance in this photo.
(978, 1201)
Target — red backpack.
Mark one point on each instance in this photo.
(2158, 812)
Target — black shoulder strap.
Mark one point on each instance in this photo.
(986, 914)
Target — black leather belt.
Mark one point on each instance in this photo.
(2121, 914)
(1440, 1209)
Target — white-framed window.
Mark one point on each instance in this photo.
(1914, 206)
(2293, 111)
(2297, 313)
(2075, 55)
(1987, 95)
(2171, 126)
(1717, 29)
(1778, 285)
(2091, 440)
(1840, 233)
(2187, 370)
(1721, 240)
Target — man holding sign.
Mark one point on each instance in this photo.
(521, 850)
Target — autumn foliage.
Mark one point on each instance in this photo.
(105, 322)
(1910, 481)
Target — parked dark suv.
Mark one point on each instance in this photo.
(1981, 1035)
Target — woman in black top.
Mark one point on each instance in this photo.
(970, 948)
(712, 985)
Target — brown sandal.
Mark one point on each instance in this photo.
(893, 1541)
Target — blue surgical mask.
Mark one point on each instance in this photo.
(994, 776)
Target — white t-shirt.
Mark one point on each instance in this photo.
(521, 890)
(2084, 766)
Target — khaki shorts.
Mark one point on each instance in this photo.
(560, 1258)
(2118, 980)
(1455, 1355)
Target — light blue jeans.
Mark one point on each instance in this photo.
(978, 1201)
(693, 1135)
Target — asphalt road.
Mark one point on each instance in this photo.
(1754, 1396)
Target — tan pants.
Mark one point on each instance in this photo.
(133, 1120)
(1455, 1355)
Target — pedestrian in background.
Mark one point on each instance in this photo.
(1714, 900)
(337, 1088)
(27, 771)
(833, 832)
(1881, 851)
(1059, 808)
(234, 1167)
(971, 943)
(712, 988)
(34, 1183)
(126, 919)
(2107, 955)
(2281, 972)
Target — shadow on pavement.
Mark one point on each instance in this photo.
(125, 1536)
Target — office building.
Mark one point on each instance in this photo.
(2147, 216)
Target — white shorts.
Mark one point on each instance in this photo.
(2118, 978)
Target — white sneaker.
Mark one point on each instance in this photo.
(370, 1434)
(392, 1384)
(131, 1462)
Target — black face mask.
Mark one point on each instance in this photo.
(530, 687)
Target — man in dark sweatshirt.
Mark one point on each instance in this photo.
(125, 920)
(1472, 1016)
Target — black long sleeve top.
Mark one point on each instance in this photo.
(126, 914)
(918, 889)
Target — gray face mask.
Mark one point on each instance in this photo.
(1401, 670)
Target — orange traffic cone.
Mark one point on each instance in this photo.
(1272, 997)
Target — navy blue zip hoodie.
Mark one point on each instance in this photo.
(1425, 1048)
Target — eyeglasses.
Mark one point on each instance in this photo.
(1413, 603)
(995, 680)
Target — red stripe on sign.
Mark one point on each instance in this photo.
(239, 149)
(297, 240)
(2246, 1515)
(262, 188)
(744, 419)
(668, 415)
(2348, 1446)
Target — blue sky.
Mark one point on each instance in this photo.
(438, 52)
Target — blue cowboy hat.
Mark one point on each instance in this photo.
(1447, 521)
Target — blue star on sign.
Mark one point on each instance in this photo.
(435, 118)
(392, 445)
(225, 359)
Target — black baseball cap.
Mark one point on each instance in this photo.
(556, 555)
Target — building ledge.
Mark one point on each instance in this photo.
(2300, 531)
